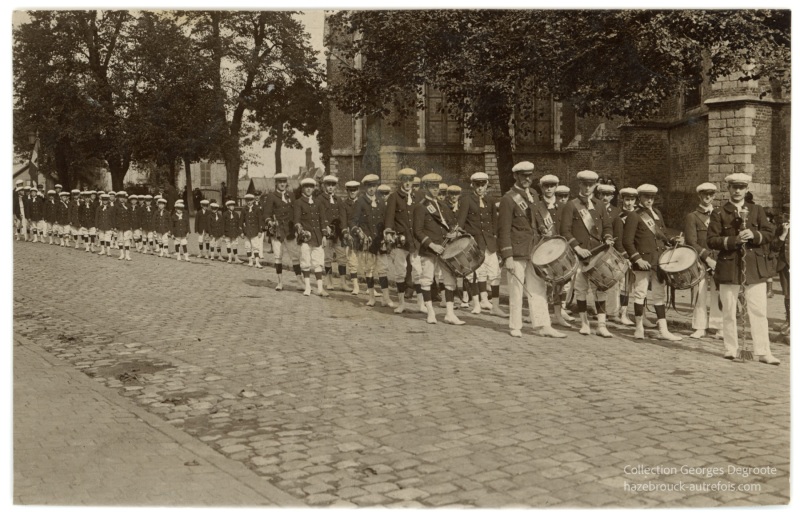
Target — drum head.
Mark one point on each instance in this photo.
(548, 251)
(456, 247)
(678, 260)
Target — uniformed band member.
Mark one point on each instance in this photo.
(73, 217)
(180, 231)
(738, 230)
(21, 212)
(38, 225)
(278, 214)
(335, 220)
(627, 197)
(233, 229)
(251, 221)
(216, 231)
(366, 227)
(477, 215)
(644, 240)
(434, 224)
(201, 229)
(606, 193)
(399, 227)
(695, 230)
(123, 224)
(162, 226)
(62, 218)
(104, 223)
(586, 227)
(352, 188)
(552, 226)
(780, 247)
(146, 211)
(308, 221)
(517, 234)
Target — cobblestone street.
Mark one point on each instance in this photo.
(249, 397)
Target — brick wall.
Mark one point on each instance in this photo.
(644, 156)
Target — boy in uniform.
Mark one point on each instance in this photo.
(334, 218)
(201, 229)
(252, 218)
(308, 221)
(123, 224)
(180, 231)
(232, 226)
(216, 230)
(366, 226)
(278, 213)
(162, 226)
(352, 187)
(104, 223)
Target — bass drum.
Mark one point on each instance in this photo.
(463, 256)
(681, 267)
(606, 269)
(554, 260)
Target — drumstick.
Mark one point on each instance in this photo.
(669, 259)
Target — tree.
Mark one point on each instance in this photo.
(491, 64)
(247, 50)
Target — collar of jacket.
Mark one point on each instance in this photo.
(730, 207)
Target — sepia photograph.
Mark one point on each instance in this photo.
(441, 258)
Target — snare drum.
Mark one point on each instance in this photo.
(606, 269)
(554, 260)
(681, 267)
(463, 256)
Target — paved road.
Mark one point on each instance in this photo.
(338, 404)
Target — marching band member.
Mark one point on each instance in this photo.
(606, 192)
(477, 216)
(50, 213)
(452, 198)
(62, 218)
(201, 229)
(367, 225)
(278, 213)
(136, 225)
(644, 240)
(180, 231)
(399, 221)
(21, 213)
(162, 226)
(382, 192)
(517, 233)
(335, 219)
(251, 228)
(146, 211)
(104, 223)
(123, 224)
(434, 223)
(696, 230)
(112, 197)
(85, 221)
(552, 223)
(627, 197)
(73, 218)
(739, 230)
(233, 229)
(352, 187)
(308, 223)
(38, 225)
(585, 225)
(216, 229)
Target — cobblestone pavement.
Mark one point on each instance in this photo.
(338, 404)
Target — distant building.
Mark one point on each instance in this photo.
(310, 170)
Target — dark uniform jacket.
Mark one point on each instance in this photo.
(400, 217)
(180, 224)
(369, 219)
(518, 224)
(104, 218)
(144, 217)
(276, 208)
(232, 224)
(477, 221)
(780, 249)
(309, 216)
(201, 220)
(432, 223)
(722, 232)
(640, 242)
(74, 212)
(62, 213)
(574, 230)
(216, 224)
(51, 209)
(24, 202)
(162, 221)
(36, 208)
(252, 218)
(333, 214)
(86, 213)
(695, 230)
(614, 215)
(123, 216)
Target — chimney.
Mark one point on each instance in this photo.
(309, 163)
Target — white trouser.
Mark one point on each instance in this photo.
(374, 265)
(612, 298)
(179, 241)
(255, 244)
(285, 249)
(125, 237)
(311, 258)
(489, 270)
(756, 297)
(583, 285)
(397, 266)
(658, 290)
(534, 288)
(334, 253)
(165, 239)
(105, 236)
(431, 267)
(352, 260)
(700, 318)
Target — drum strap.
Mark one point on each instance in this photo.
(651, 224)
(546, 217)
(436, 214)
(586, 217)
(704, 218)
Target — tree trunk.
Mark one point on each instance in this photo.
(118, 167)
(173, 177)
(501, 137)
(189, 198)
(278, 149)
